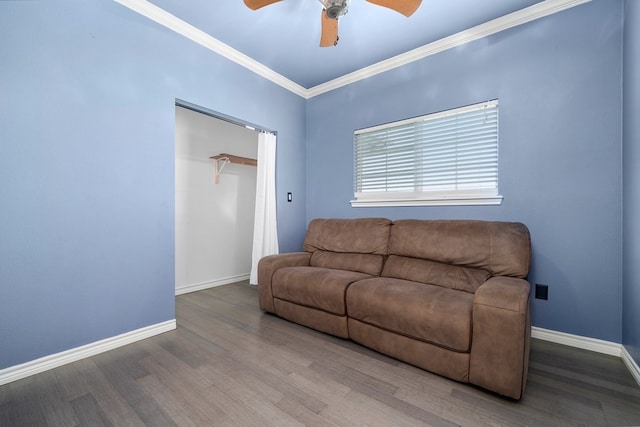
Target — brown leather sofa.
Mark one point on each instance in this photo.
(448, 296)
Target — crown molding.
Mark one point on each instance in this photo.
(187, 30)
(523, 16)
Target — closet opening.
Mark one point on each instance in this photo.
(214, 206)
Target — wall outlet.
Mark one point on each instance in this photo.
(542, 291)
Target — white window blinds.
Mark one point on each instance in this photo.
(450, 157)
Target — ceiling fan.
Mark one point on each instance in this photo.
(334, 9)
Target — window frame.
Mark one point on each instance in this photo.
(446, 197)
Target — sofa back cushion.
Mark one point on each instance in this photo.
(348, 244)
(435, 273)
(362, 235)
(363, 263)
(501, 248)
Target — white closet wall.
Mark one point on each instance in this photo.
(214, 222)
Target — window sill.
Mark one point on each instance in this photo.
(453, 201)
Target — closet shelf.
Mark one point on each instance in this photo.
(229, 158)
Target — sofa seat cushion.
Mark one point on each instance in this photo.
(320, 288)
(428, 313)
(435, 273)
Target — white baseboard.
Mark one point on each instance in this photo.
(185, 289)
(585, 343)
(42, 364)
(18, 372)
(591, 344)
(631, 364)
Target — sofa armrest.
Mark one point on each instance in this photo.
(501, 335)
(268, 265)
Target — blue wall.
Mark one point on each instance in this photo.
(558, 80)
(631, 290)
(87, 93)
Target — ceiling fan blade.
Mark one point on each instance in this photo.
(405, 7)
(329, 35)
(257, 4)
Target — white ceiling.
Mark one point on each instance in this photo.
(283, 38)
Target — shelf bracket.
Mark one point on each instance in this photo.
(226, 159)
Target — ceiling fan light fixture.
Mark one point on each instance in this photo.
(332, 10)
(335, 8)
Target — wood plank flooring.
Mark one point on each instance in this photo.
(229, 364)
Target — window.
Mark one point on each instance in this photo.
(445, 158)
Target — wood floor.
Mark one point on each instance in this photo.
(230, 364)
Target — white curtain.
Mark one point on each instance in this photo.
(265, 228)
